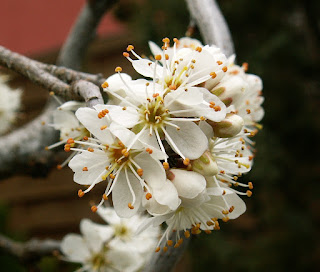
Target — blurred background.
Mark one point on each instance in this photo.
(279, 39)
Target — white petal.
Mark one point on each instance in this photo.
(109, 215)
(121, 195)
(190, 139)
(89, 118)
(189, 184)
(75, 248)
(206, 128)
(71, 106)
(146, 68)
(150, 141)
(125, 135)
(95, 162)
(190, 97)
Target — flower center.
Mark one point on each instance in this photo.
(121, 231)
(98, 261)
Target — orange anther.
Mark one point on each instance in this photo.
(187, 234)
(85, 138)
(157, 249)
(94, 208)
(207, 231)
(85, 168)
(165, 249)
(125, 54)
(148, 196)
(225, 219)
(103, 127)
(157, 57)
(217, 108)
(118, 69)
(173, 87)
(248, 111)
(67, 148)
(231, 209)
(186, 161)
(155, 95)
(249, 193)
(166, 40)
(219, 62)
(130, 206)
(140, 171)
(250, 185)
(225, 69)
(59, 166)
(80, 193)
(90, 149)
(70, 141)
(170, 242)
(225, 212)
(104, 196)
(199, 49)
(130, 47)
(245, 66)
(213, 75)
(112, 176)
(165, 165)
(166, 56)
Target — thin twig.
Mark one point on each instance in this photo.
(30, 250)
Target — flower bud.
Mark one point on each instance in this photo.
(230, 90)
(205, 165)
(228, 127)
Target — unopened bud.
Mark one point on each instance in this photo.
(228, 127)
(205, 165)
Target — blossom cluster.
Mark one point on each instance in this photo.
(173, 143)
(112, 247)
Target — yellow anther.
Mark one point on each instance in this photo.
(225, 219)
(187, 234)
(103, 127)
(125, 54)
(157, 57)
(130, 206)
(225, 212)
(51, 93)
(202, 118)
(165, 165)
(94, 208)
(105, 84)
(166, 40)
(166, 56)
(112, 176)
(225, 69)
(186, 161)
(80, 193)
(118, 69)
(130, 47)
(199, 49)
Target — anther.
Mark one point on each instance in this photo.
(130, 206)
(118, 69)
(250, 185)
(94, 208)
(202, 118)
(103, 127)
(225, 219)
(85, 138)
(112, 176)
(217, 108)
(165, 249)
(67, 148)
(130, 47)
(170, 242)
(187, 234)
(59, 166)
(248, 111)
(157, 249)
(157, 57)
(125, 152)
(207, 231)
(70, 141)
(166, 56)
(85, 168)
(125, 54)
(165, 165)
(249, 193)
(90, 149)
(219, 62)
(245, 66)
(213, 75)
(149, 150)
(173, 87)
(104, 196)
(148, 196)
(51, 93)
(166, 40)
(225, 212)
(186, 161)
(140, 171)
(105, 85)
(231, 209)
(199, 49)
(80, 193)
(225, 69)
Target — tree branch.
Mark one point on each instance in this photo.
(213, 27)
(82, 33)
(31, 250)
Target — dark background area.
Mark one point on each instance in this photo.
(280, 40)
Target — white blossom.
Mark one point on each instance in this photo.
(10, 102)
